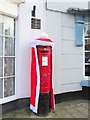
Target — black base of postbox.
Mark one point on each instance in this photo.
(44, 104)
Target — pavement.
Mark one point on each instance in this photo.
(68, 109)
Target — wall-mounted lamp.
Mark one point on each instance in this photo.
(34, 11)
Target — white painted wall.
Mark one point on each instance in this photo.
(17, 2)
(61, 28)
(68, 59)
(63, 5)
(8, 8)
(53, 28)
(72, 56)
(25, 35)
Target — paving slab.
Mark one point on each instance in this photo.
(68, 109)
(79, 115)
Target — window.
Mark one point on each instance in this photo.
(7, 56)
(87, 50)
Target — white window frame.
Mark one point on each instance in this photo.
(13, 97)
(85, 77)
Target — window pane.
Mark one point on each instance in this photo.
(87, 33)
(9, 68)
(87, 70)
(1, 46)
(1, 67)
(9, 46)
(9, 26)
(1, 88)
(87, 44)
(1, 24)
(87, 57)
(9, 87)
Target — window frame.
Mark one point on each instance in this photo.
(3, 56)
(85, 77)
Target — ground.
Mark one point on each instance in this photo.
(68, 109)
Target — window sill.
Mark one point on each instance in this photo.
(85, 83)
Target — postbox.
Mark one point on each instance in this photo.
(45, 66)
(42, 92)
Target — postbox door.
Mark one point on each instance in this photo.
(45, 64)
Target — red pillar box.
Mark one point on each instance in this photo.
(42, 92)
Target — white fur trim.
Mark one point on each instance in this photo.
(34, 43)
(33, 108)
(38, 80)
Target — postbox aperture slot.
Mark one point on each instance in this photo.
(43, 51)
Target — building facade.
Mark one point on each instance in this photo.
(23, 21)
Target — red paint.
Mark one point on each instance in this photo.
(45, 52)
(44, 39)
(33, 77)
